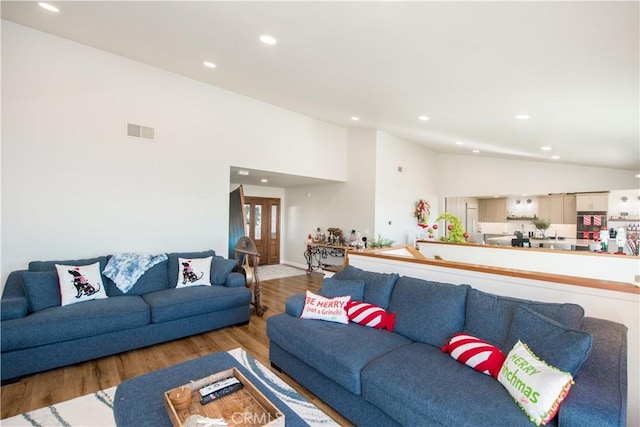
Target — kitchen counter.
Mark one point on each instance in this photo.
(565, 244)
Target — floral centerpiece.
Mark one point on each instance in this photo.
(541, 224)
(422, 213)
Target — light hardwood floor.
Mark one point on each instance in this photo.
(47, 388)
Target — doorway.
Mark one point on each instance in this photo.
(262, 225)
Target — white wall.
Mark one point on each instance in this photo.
(73, 185)
(397, 192)
(460, 176)
(349, 205)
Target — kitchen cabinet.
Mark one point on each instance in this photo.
(560, 209)
(592, 202)
(492, 210)
(569, 213)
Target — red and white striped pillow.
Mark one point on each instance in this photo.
(476, 353)
(370, 315)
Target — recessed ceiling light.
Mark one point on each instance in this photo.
(268, 39)
(264, 180)
(48, 6)
(476, 151)
(555, 157)
(243, 172)
(523, 116)
(423, 118)
(459, 143)
(209, 64)
(354, 118)
(545, 148)
(638, 176)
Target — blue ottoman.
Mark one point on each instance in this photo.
(139, 401)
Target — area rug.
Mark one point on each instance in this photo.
(278, 271)
(96, 409)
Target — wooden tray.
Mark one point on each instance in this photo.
(246, 407)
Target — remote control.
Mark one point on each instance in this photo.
(218, 385)
(220, 393)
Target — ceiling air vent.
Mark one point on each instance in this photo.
(138, 131)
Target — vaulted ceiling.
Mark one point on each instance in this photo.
(468, 68)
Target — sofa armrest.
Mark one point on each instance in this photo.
(294, 305)
(599, 395)
(13, 308)
(235, 280)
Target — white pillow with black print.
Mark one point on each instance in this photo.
(194, 272)
(80, 283)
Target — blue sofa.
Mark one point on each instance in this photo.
(38, 334)
(379, 378)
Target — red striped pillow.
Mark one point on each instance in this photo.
(370, 315)
(476, 353)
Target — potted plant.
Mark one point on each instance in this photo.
(542, 224)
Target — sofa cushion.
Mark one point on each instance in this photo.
(535, 386)
(57, 324)
(338, 351)
(475, 353)
(429, 312)
(173, 267)
(154, 279)
(42, 289)
(126, 269)
(317, 307)
(194, 272)
(336, 288)
(488, 316)
(419, 385)
(51, 265)
(171, 304)
(378, 286)
(556, 344)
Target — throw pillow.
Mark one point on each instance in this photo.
(80, 283)
(476, 353)
(370, 315)
(220, 269)
(174, 268)
(42, 289)
(194, 272)
(537, 387)
(559, 345)
(321, 308)
(337, 288)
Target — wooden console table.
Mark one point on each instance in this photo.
(317, 253)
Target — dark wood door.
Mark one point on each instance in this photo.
(262, 225)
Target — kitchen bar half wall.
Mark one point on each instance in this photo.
(623, 269)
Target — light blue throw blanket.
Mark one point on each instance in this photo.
(126, 269)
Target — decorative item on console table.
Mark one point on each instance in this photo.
(335, 236)
(316, 255)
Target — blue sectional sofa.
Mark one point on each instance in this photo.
(375, 377)
(38, 334)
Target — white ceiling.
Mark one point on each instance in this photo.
(469, 66)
